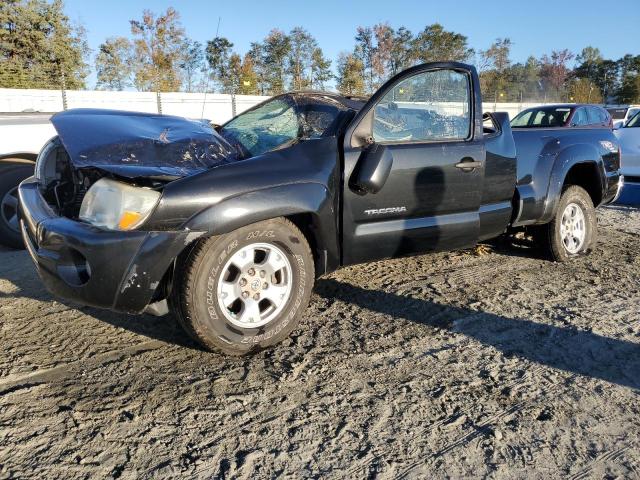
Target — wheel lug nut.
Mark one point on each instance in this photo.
(251, 272)
(243, 282)
(245, 294)
(256, 296)
(265, 285)
(262, 273)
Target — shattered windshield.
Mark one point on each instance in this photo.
(267, 127)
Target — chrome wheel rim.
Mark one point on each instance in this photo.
(255, 285)
(9, 209)
(573, 228)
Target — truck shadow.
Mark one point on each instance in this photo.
(565, 348)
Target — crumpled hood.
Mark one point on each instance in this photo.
(133, 144)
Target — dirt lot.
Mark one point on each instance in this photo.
(459, 364)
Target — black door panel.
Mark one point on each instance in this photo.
(429, 201)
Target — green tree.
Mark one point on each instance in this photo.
(300, 57)
(158, 49)
(39, 47)
(364, 51)
(435, 44)
(256, 55)
(629, 89)
(275, 49)
(191, 64)
(402, 51)
(218, 53)
(350, 74)
(494, 65)
(114, 64)
(320, 69)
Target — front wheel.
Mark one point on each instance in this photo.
(573, 230)
(247, 289)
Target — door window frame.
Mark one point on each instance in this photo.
(360, 133)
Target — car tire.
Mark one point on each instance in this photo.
(245, 290)
(10, 178)
(574, 228)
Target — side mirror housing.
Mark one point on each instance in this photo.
(372, 169)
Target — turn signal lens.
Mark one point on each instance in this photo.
(128, 220)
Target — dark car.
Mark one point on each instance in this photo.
(566, 115)
(230, 228)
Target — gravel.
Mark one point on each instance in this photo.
(493, 362)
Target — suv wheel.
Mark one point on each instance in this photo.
(245, 290)
(573, 230)
(10, 178)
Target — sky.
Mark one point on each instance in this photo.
(535, 27)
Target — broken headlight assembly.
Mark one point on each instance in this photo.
(117, 206)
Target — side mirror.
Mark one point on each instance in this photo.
(618, 125)
(372, 169)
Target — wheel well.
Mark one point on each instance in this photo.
(306, 222)
(585, 175)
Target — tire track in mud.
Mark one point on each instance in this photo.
(17, 382)
(608, 457)
(363, 465)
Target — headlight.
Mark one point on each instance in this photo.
(116, 205)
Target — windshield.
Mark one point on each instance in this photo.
(543, 117)
(635, 121)
(267, 127)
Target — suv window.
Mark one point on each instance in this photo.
(426, 107)
(580, 118)
(595, 116)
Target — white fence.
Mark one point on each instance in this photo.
(215, 107)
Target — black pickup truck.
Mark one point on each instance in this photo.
(230, 228)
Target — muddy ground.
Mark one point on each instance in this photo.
(458, 364)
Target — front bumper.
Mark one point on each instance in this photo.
(92, 266)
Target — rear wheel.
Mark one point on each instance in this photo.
(10, 178)
(247, 289)
(573, 231)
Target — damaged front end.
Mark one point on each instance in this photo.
(83, 213)
(142, 150)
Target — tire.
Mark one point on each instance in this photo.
(10, 178)
(229, 294)
(562, 242)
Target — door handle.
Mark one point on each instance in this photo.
(468, 164)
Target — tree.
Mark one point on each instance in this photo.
(191, 63)
(320, 69)
(275, 48)
(402, 53)
(629, 89)
(493, 67)
(39, 47)
(218, 54)
(114, 64)
(299, 57)
(256, 54)
(583, 90)
(554, 71)
(435, 44)
(158, 43)
(364, 52)
(350, 74)
(248, 81)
